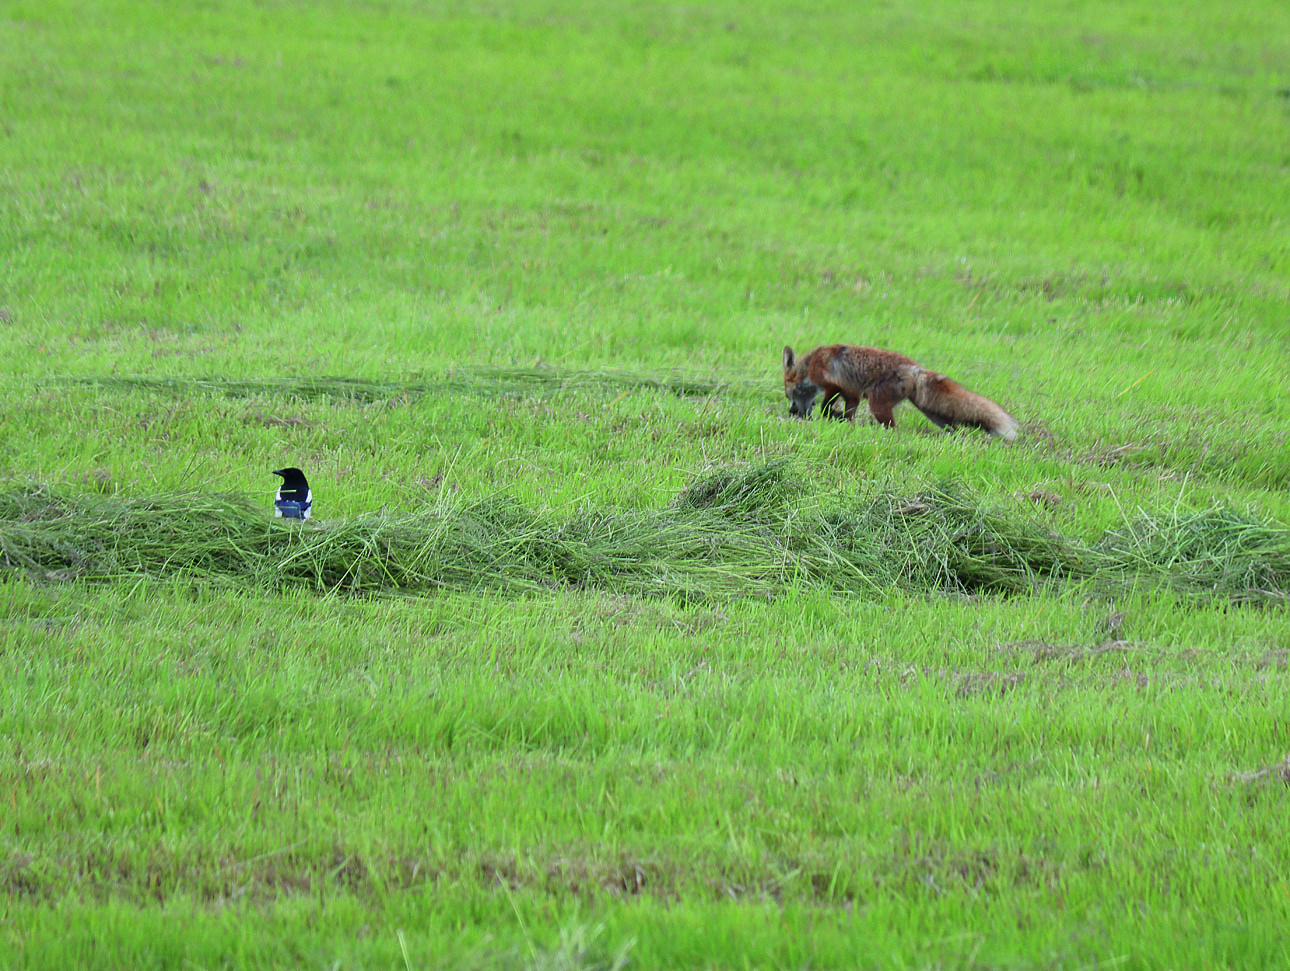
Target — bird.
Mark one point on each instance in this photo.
(294, 497)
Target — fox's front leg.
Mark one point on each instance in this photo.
(881, 403)
(827, 409)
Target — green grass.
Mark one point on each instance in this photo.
(592, 658)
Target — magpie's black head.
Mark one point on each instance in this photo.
(293, 480)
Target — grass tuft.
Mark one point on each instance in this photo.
(753, 492)
(1219, 550)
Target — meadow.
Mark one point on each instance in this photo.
(591, 656)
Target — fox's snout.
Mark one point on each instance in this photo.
(801, 397)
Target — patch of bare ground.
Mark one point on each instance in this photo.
(1278, 772)
(1044, 498)
(1105, 456)
(988, 683)
(155, 874)
(1275, 659)
(257, 417)
(1040, 650)
(625, 876)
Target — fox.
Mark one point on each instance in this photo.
(886, 378)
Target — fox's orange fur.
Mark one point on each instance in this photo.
(886, 378)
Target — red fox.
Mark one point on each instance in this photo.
(886, 378)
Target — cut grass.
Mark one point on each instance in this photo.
(744, 532)
(476, 382)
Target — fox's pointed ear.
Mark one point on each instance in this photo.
(788, 357)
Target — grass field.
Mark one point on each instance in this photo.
(591, 658)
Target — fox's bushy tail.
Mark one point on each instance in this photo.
(948, 403)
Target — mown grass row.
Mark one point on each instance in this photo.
(476, 381)
(733, 533)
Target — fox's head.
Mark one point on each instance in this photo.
(800, 390)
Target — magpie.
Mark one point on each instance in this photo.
(294, 495)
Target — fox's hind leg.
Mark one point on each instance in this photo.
(937, 420)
